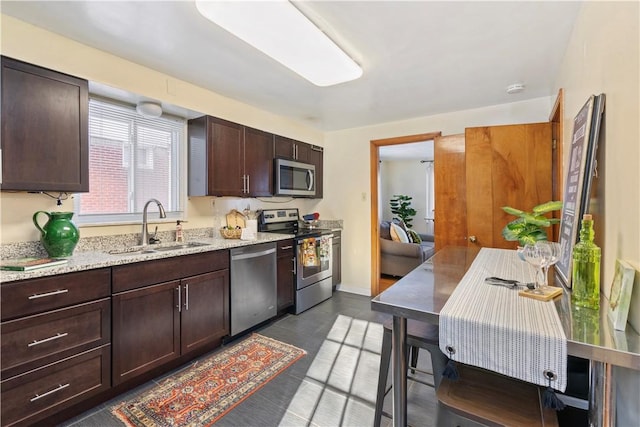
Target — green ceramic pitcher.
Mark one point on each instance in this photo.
(59, 236)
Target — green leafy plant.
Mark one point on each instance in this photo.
(529, 227)
(401, 207)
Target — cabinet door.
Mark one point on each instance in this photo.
(336, 273)
(44, 129)
(225, 158)
(302, 151)
(315, 158)
(258, 162)
(284, 148)
(205, 309)
(285, 266)
(287, 148)
(146, 329)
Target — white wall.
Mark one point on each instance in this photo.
(32, 44)
(347, 172)
(404, 177)
(603, 57)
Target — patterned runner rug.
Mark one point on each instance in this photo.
(202, 394)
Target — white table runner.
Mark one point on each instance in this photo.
(492, 327)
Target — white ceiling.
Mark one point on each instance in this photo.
(419, 58)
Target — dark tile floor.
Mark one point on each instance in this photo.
(333, 385)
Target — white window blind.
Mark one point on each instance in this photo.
(132, 159)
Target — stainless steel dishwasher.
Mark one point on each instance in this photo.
(253, 286)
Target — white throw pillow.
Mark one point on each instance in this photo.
(398, 234)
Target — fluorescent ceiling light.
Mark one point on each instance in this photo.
(280, 30)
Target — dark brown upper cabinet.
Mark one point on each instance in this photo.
(316, 158)
(287, 148)
(45, 136)
(229, 159)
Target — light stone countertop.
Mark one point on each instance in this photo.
(88, 260)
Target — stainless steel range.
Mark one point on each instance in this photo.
(313, 255)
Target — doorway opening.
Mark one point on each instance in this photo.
(377, 201)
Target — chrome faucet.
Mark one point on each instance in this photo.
(144, 240)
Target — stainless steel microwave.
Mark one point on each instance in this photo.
(294, 178)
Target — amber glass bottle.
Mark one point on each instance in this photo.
(586, 268)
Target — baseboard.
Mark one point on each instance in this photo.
(354, 289)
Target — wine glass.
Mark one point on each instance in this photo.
(551, 253)
(534, 256)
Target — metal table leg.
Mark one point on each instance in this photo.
(399, 360)
(601, 399)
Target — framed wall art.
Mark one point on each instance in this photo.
(620, 297)
(577, 184)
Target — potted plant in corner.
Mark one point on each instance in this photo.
(529, 227)
(401, 207)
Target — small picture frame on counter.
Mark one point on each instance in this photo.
(620, 296)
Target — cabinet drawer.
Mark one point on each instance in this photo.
(48, 293)
(285, 247)
(132, 276)
(31, 397)
(30, 342)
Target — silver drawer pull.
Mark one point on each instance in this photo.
(49, 294)
(55, 337)
(40, 396)
(284, 248)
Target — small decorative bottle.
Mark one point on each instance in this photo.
(179, 235)
(586, 268)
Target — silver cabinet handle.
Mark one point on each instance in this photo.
(186, 296)
(295, 151)
(293, 261)
(248, 183)
(55, 337)
(284, 248)
(40, 396)
(179, 299)
(49, 294)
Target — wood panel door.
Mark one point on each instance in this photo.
(505, 166)
(487, 168)
(450, 191)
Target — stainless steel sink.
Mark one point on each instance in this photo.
(151, 249)
(176, 247)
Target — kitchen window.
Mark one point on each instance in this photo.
(132, 158)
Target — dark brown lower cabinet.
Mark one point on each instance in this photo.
(205, 309)
(336, 259)
(29, 398)
(146, 329)
(155, 324)
(285, 275)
